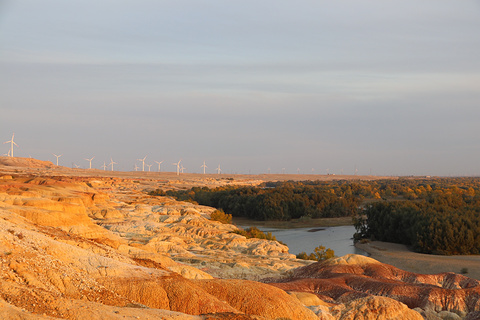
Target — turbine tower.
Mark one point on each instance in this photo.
(143, 163)
(178, 166)
(204, 166)
(112, 163)
(183, 168)
(90, 160)
(218, 169)
(11, 145)
(57, 157)
(149, 166)
(159, 163)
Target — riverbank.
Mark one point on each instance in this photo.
(400, 256)
(295, 223)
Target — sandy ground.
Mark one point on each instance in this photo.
(38, 167)
(394, 254)
(402, 257)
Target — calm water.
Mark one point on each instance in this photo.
(339, 239)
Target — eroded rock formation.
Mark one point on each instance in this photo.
(351, 279)
(101, 248)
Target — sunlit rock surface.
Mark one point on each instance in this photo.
(349, 280)
(100, 247)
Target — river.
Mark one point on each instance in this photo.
(339, 239)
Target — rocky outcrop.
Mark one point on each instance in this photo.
(351, 278)
(102, 248)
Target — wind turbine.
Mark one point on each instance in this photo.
(11, 145)
(90, 160)
(112, 163)
(298, 170)
(159, 163)
(57, 157)
(283, 170)
(136, 167)
(183, 168)
(143, 163)
(104, 167)
(76, 165)
(218, 169)
(178, 166)
(149, 166)
(204, 166)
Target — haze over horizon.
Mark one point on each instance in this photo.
(389, 88)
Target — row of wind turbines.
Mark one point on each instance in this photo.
(180, 169)
(178, 165)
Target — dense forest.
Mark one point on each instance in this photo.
(276, 201)
(439, 215)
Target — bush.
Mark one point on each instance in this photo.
(254, 232)
(219, 215)
(320, 253)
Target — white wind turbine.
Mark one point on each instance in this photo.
(10, 154)
(104, 167)
(204, 166)
(149, 166)
(136, 167)
(159, 163)
(90, 160)
(57, 157)
(178, 166)
(112, 163)
(183, 168)
(218, 169)
(143, 163)
(76, 166)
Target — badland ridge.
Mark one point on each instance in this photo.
(89, 244)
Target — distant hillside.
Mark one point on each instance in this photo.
(25, 162)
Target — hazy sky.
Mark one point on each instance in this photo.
(388, 87)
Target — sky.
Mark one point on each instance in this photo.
(381, 87)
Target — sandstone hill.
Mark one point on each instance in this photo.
(25, 162)
(99, 247)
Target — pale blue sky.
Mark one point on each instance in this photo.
(391, 87)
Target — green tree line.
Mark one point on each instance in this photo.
(437, 215)
(284, 201)
(444, 222)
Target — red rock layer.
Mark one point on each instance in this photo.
(339, 281)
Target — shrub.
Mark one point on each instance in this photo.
(254, 232)
(320, 253)
(221, 216)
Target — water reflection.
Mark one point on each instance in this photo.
(339, 239)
